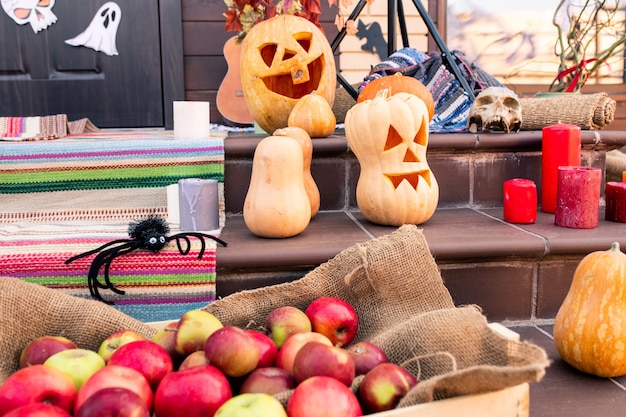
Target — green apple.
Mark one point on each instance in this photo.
(251, 405)
(78, 364)
(194, 328)
(117, 339)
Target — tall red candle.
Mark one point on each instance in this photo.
(520, 201)
(578, 197)
(615, 196)
(560, 146)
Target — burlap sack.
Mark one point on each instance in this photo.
(403, 306)
(28, 311)
(393, 283)
(588, 111)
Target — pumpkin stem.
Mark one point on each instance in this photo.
(615, 247)
(382, 93)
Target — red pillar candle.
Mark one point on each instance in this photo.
(615, 196)
(520, 201)
(578, 197)
(560, 146)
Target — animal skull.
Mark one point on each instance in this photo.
(495, 108)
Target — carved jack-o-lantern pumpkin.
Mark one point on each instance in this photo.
(282, 60)
(389, 137)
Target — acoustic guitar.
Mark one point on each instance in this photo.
(230, 100)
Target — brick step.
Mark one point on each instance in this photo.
(514, 272)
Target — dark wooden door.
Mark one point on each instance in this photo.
(41, 74)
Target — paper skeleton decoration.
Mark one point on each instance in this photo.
(101, 33)
(36, 12)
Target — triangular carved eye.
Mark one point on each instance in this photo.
(393, 139)
(421, 136)
(304, 39)
(268, 52)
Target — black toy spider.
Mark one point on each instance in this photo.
(150, 233)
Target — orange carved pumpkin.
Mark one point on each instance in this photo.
(282, 60)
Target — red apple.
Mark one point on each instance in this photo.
(270, 380)
(319, 359)
(334, 318)
(38, 350)
(145, 356)
(197, 358)
(114, 402)
(287, 353)
(384, 386)
(37, 384)
(252, 405)
(38, 410)
(323, 396)
(267, 348)
(194, 328)
(285, 321)
(117, 339)
(232, 350)
(115, 376)
(366, 355)
(194, 392)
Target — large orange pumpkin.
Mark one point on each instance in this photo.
(590, 326)
(398, 83)
(282, 60)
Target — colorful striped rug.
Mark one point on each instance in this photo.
(64, 197)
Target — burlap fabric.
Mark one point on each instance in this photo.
(588, 111)
(28, 311)
(392, 281)
(396, 288)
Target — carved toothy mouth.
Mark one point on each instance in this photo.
(283, 84)
(411, 177)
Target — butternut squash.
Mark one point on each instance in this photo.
(277, 204)
(304, 139)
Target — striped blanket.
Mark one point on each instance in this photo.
(64, 197)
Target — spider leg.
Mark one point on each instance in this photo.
(96, 250)
(200, 237)
(105, 258)
(183, 250)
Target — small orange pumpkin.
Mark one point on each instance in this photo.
(590, 326)
(398, 83)
(313, 114)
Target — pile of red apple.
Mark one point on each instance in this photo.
(197, 366)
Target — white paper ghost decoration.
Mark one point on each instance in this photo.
(36, 12)
(101, 33)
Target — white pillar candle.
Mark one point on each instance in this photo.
(192, 119)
